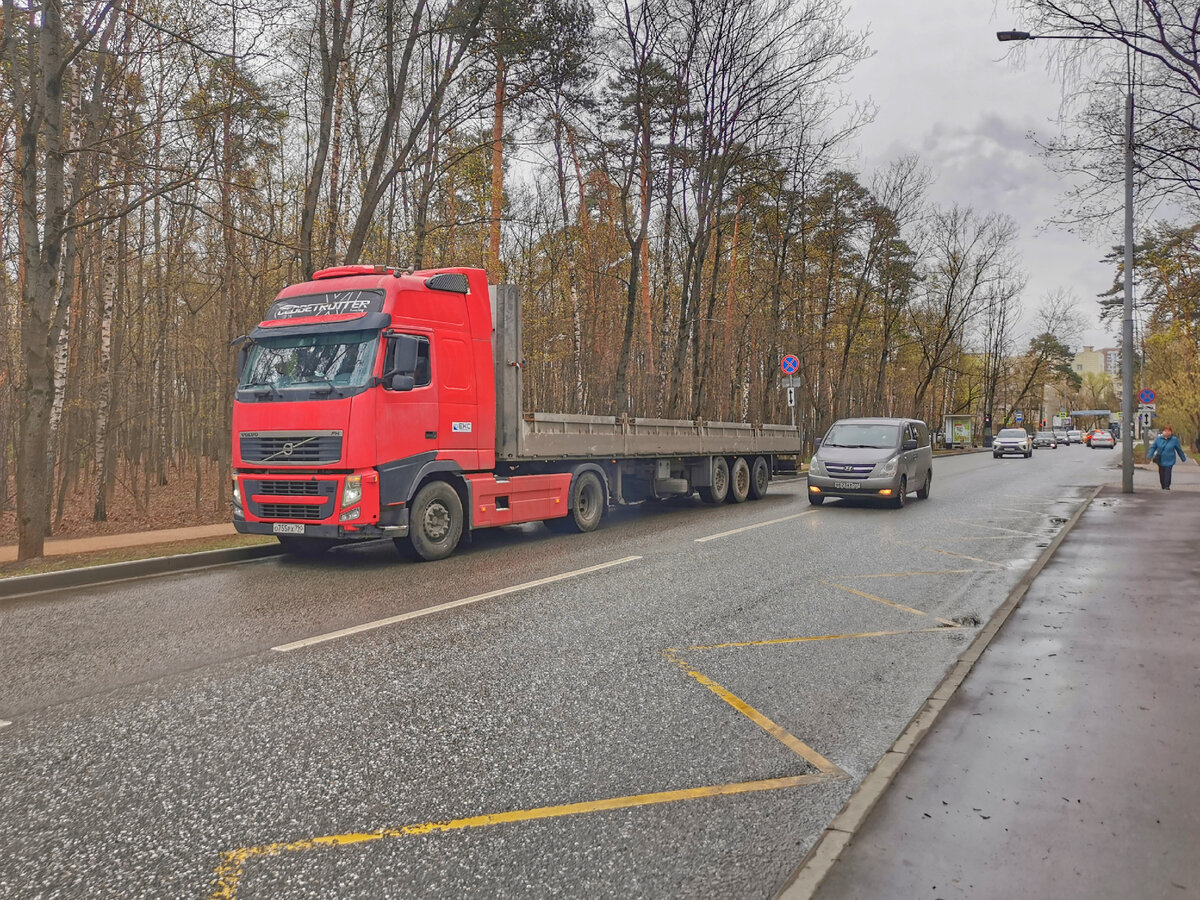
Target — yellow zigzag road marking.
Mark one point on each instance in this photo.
(899, 606)
(232, 864)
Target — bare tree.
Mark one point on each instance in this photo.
(969, 256)
(1149, 45)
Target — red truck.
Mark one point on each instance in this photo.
(374, 403)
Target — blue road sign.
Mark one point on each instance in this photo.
(1146, 396)
(1020, 417)
(790, 364)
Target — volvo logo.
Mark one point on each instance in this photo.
(287, 448)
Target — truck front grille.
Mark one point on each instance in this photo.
(288, 511)
(310, 488)
(267, 497)
(297, 448)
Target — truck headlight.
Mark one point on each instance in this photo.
(351, 490)
(238, 512)
(889, 467)
(350, 515)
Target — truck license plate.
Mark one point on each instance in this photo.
(287, 528)
(846, 485)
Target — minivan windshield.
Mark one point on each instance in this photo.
(336, 360)
(863, 434)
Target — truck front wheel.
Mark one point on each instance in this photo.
(435, 522)
(587, 506)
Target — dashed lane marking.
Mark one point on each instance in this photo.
(442, 607)
(899, 606)
(713, 537)
(4, 723)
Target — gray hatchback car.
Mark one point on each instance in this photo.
(877, 458)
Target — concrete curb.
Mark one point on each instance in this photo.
(92, 576)
(807, 878)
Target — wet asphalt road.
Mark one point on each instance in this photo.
(160, 748)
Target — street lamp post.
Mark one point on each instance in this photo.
(1127, 407)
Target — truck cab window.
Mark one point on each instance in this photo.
(423, 374)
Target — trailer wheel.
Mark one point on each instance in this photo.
(760, 478)
(715, 492)
(435, 521)
(304, 546)
(587, 506)
(739, 481)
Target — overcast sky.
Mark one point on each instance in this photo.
(945, 91)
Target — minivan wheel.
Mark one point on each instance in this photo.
(816, 499)
(901, 492)
(923, 492)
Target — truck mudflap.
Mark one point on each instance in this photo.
(520, 498)
(325, 532)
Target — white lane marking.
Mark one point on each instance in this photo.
(441, 607)
(4, 724)
(713, 537)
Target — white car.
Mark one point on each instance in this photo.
(1103, 439)
(1012, 440)
(1076, 437)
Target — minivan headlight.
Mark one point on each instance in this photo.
(816, 467)
(889, 467)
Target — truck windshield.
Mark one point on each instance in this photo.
(331, 362)
(862, 434)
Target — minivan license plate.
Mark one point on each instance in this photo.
(846, 485)
(287, 528)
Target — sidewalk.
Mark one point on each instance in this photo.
(68, 546)
(1065, 764)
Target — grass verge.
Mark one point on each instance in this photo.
(128, 554)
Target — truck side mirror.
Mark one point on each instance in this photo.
(405, 357)
(402, 375)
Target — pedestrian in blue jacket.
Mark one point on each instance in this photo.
(1163, 452)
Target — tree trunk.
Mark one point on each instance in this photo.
(493, 259)
(108, 276)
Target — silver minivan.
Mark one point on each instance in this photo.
(875, 458)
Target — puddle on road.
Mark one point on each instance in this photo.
(969, 621)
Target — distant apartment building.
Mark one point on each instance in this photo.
(1090, 360)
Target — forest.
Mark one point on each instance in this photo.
(668, 182)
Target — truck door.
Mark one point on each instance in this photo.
(407, 420)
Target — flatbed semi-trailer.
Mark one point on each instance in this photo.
(377, 403)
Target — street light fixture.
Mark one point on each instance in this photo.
(1127, 317)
